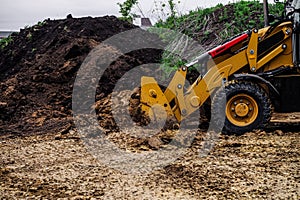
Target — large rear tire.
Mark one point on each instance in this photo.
(247, 107)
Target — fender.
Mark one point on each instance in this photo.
(252, 77)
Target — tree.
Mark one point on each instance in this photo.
(125, 9)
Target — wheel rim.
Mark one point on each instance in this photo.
(241, 110)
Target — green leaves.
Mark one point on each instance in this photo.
(241, 16)
(211, 26)
(125, 9)
(5, 42)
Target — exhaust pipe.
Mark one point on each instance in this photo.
(266, 13)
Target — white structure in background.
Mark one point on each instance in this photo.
(142, 22)
(4, 34)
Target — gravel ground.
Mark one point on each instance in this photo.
(258, 165)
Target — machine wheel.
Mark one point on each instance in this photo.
(247, 107)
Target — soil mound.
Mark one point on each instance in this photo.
(39, 66)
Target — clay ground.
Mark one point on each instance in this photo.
(258, 165)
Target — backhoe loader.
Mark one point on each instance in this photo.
(257, 72)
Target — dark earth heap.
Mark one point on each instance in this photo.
(39, 66)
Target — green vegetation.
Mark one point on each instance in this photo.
(41, 23)
(29, 36)
(211, 26)
(162, 8)
(125, 9)
(237, 17)
(5, 42)
(38, 25)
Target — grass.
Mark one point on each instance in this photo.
(211, 26)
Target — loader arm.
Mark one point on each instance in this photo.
(246, 53)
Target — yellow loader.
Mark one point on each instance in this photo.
(257, 72)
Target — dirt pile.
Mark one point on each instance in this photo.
(39, 66)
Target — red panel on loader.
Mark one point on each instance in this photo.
(220, 49)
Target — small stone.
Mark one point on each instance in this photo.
(3, 104)
(33, 189)
(155, 142)
(278, 132)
